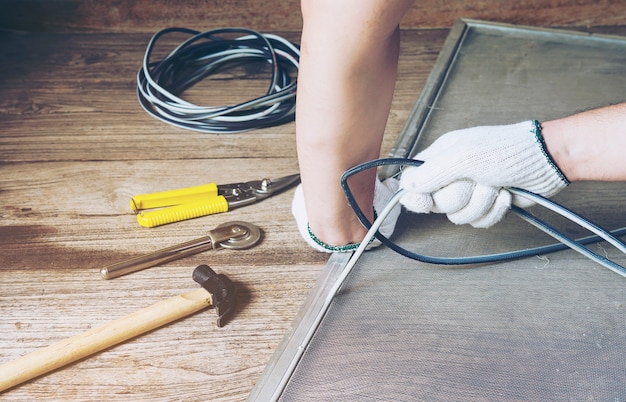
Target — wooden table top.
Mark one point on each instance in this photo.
(75, 146)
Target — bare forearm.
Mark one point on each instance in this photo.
(589, 146)
(345, 87)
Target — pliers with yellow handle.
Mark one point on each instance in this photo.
(207, 199)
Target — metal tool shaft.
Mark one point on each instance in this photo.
(218, 235)
(158, 257)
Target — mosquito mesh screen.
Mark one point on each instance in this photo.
(548, 327)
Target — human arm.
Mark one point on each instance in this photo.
(466, 173)
(348, 63)
(589, 146)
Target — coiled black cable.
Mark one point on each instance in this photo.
(160, 83)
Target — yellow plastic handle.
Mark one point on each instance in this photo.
(173, 197)
(213, 205)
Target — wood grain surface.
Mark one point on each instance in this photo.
(284, 15)
(74, 147)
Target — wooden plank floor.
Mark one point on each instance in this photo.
(74, 147)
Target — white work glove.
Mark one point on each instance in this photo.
(466, 173)
(383, 192)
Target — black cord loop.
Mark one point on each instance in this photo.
(517, 254)
(160, 83)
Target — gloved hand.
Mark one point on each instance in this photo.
(383, 192)
(466, 173)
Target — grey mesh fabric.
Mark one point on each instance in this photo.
(549, 327)
(545, 328)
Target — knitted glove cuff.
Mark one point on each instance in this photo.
(544, 149)
(336, 249)
(384, 191)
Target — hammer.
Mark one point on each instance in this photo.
(221, 295)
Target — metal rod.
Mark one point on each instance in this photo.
(158, 257)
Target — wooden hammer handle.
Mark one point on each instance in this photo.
(95, 340)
